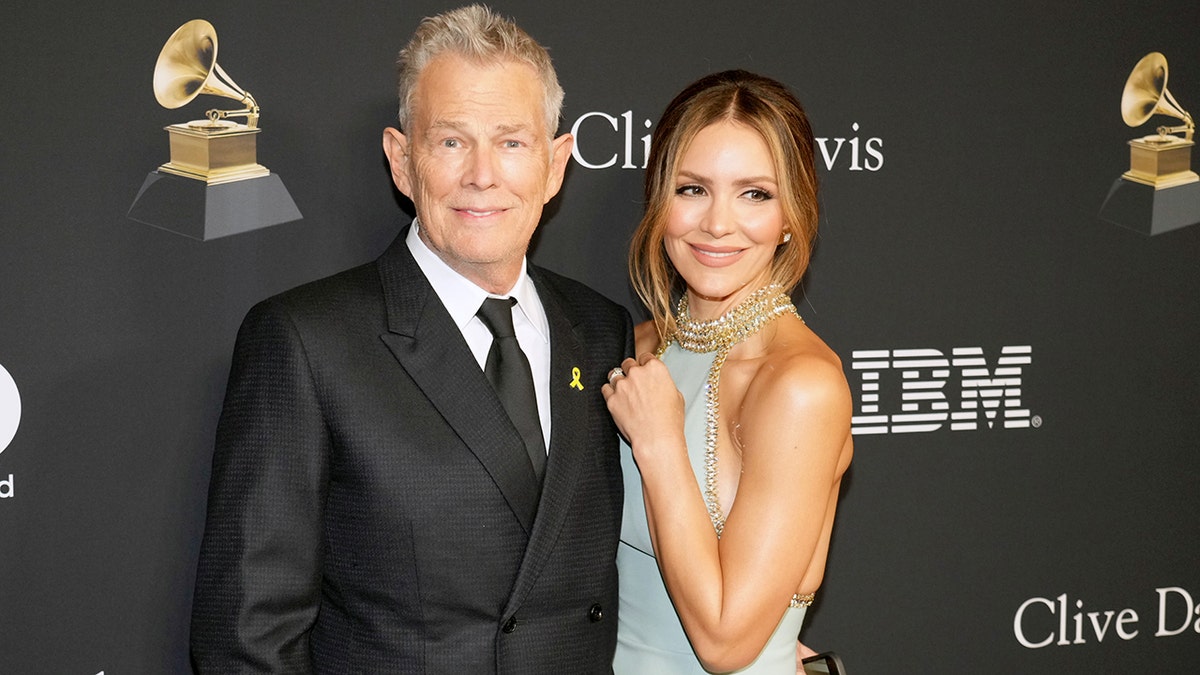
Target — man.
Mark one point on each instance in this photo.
(376, 505)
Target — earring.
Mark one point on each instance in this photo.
(787, 236)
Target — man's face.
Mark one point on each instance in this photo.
(478, 164)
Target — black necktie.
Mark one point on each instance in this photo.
(508, 371)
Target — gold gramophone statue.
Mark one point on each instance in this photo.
(214, 150)
(1162, 160)
(1160, 192)
(213, 186)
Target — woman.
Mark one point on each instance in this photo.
(731, 486)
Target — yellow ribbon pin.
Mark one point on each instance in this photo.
(575, 382)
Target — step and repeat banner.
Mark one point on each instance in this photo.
(1019, 324)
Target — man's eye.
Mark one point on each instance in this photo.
(512, 144)
(450, 143)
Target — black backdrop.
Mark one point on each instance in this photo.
(965, 226)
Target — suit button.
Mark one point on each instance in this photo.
(510, 625)
(596, 613)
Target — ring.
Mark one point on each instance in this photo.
(615, 372)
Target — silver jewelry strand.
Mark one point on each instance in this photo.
(720, 335)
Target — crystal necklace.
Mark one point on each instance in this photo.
(720, 335)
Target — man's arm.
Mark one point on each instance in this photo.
(258, 581)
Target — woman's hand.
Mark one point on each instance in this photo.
(803, 651)
(645, 404)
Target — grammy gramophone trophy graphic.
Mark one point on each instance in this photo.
(1159, 192)
(213, 185)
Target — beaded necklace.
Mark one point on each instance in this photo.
(720, 335)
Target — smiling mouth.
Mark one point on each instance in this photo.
(716, 258)
(717, 254)
(710, 253)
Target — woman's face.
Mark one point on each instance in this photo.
(725, 219)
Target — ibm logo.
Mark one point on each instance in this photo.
(982, 394)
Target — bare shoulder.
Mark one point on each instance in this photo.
(797, 405)
(799, 372)
(645, 337)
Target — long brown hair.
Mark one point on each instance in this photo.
(762, 104)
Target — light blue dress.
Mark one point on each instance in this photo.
(650, 639)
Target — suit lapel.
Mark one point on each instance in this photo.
(569, 445)
(427, 343)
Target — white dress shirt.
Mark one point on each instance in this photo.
(462, 300)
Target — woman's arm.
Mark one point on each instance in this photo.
(730, 593)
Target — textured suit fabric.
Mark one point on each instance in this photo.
(371, 507)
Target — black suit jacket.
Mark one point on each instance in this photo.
(371, 506)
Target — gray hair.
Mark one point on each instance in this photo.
(476, 33)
